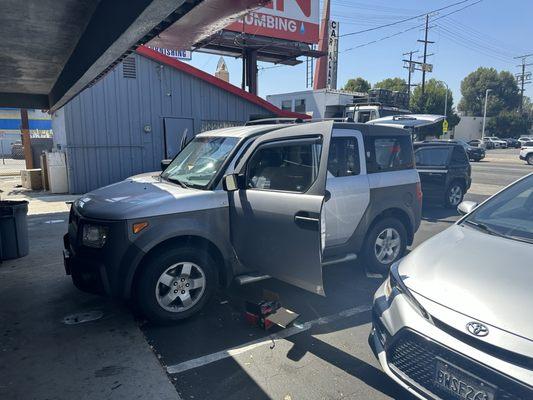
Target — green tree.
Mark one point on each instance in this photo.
(433, 100)
(398, 84)
(504, 95)
(508, 124)
(357, 85)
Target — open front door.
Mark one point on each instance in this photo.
(276, 215)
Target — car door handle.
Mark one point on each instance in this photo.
(304, 219)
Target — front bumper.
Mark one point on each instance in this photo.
(408, 346)
(105, 270)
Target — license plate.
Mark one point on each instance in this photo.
(461, 384)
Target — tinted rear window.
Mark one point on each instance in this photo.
(388, 153)
(432, 156)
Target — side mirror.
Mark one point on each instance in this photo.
(165, 164)
(230, 183)
(466, 207)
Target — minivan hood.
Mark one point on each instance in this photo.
(144, 196)
(485, 277)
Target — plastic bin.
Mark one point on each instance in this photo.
(13, 229)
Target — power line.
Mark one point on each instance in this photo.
(406, 30)
(405, 19)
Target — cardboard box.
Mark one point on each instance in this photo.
(31, 179)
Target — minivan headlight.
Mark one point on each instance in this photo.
(94, 235)
(394, 285)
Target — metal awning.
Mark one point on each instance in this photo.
(51, 50)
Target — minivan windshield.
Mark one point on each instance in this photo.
(198, 163)
(509, 214)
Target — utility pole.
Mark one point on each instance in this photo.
(424, 61)
(485, 113)
(25, 136)
(411, 68)
(524, 77)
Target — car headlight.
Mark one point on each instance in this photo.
(394, 285)
(94, 235)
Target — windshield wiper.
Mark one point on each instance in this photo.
(484, 228)
(177, 181)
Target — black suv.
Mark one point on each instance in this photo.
(444, 170)
(474, 153)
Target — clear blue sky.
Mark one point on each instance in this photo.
(486, 34)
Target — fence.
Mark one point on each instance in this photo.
(12, 151)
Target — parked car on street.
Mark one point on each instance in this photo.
(453, 319)
(524, 139)
(246, 203)
(512, 143)
(526, 152)
(489, 143)
(474, 153)
(498, 143)
(477, 143)
(445, 172)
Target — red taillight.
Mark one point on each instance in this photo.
(419, 193)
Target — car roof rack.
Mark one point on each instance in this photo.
(267, 121)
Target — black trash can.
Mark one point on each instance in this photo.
(13, 229)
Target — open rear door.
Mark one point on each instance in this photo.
(276, 217)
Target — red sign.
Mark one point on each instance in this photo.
(296, 20)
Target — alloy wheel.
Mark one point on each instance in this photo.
(387, 246)
(455, 196)
(180, 286)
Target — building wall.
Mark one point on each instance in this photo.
(469, 128)
(115, 128)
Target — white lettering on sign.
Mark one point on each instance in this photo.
(296, 20)
(333, 55)
(270, 22)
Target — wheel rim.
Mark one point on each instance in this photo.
(387, 246)
(455, 195)
(180, 287)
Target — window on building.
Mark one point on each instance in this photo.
(343, 159)
(286, 105)
(388, 153)
(299, 105)
(290, 166)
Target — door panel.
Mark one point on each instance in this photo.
(350, 195)
(275, 220)
(278, 233)
(175, 129)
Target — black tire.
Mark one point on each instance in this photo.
(529, 159)
(145, 290)
(369, 247)
(454, 194)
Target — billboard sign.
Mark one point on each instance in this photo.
(177, 54)
(296, 20)
(333, 54)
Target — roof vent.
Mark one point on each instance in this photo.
(129, 69)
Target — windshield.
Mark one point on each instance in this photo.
(432, 156)
(509, 213)
(198, 163)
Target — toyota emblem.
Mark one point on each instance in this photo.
(477, 329)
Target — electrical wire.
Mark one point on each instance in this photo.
(408, 29)
(405, 19)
